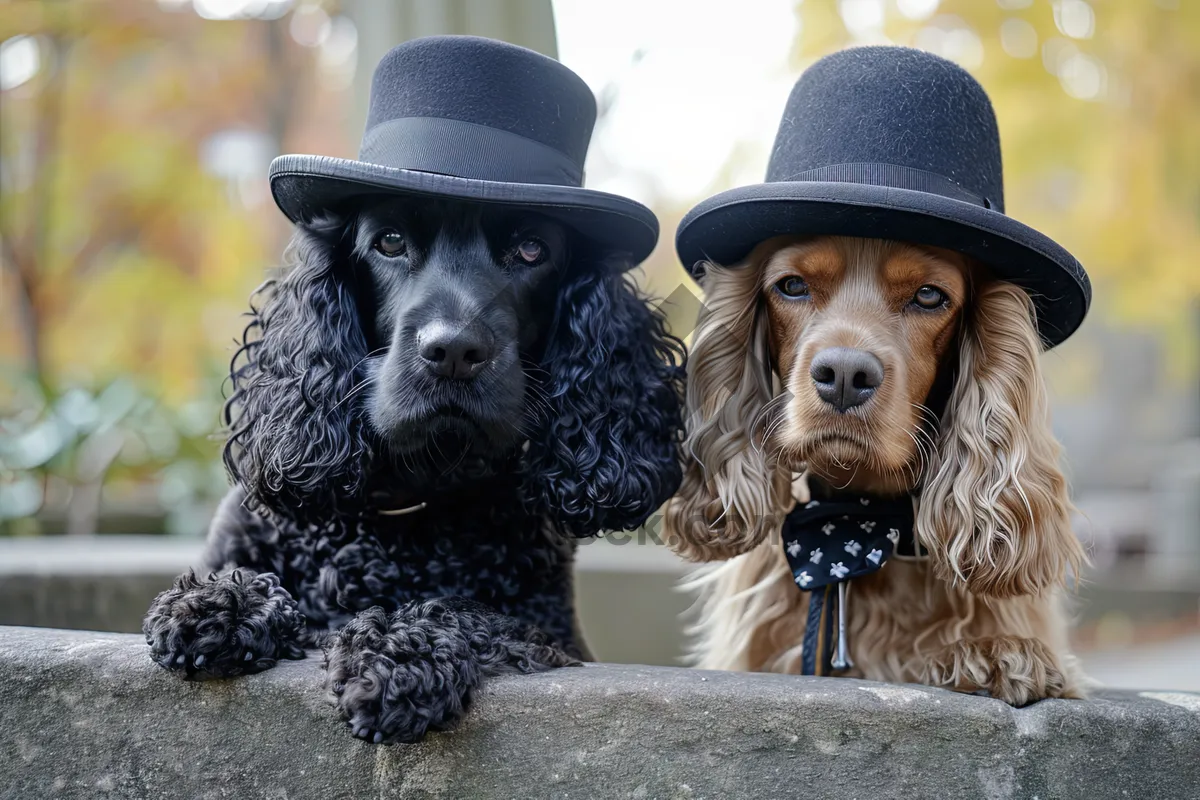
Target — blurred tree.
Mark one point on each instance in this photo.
(121, 243)
(134, 221)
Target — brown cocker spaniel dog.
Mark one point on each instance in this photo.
(944, 400)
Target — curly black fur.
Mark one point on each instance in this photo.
(306, 533)
(394, 676)
(292, 444)
(235, 623)
(607, 456)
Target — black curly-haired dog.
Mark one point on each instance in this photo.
(427, 410)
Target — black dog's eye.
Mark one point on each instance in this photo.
(793, 287)
(390, 243)
(929, 298)
(532, 251)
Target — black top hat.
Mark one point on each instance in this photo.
(891, 143)
(473, 119)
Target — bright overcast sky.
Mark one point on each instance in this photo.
(710, 79)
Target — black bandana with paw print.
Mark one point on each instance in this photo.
(828, 542)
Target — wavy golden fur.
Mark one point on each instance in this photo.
(983, 612)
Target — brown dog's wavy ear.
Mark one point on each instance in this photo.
(994, 508)
(732, 491)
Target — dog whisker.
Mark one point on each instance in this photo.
(353, 391)
(377, 351)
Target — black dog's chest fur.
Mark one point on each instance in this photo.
(505, 558)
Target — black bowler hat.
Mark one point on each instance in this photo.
(891, 143)
(472, 119)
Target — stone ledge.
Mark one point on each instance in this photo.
(88, 715)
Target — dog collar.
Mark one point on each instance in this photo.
(830, 541)
(396, 504)
(401, 512)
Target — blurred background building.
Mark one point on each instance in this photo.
(135, 220)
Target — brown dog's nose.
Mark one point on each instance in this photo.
(454, 352)
(846, 377)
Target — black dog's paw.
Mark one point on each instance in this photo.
(392, 680)
(223, 625)
(395, 677)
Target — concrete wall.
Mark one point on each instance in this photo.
(88, 716)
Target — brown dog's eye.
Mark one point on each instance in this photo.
(390, 244)
(929, 298)
(792, 287)
(532, 251)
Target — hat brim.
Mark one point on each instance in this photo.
(304, 186)
(726, 227)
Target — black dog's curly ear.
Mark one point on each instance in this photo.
(294, 444)
(606, 454)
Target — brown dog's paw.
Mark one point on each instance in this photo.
(1017, 671)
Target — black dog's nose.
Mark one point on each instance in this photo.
(846, 377)
(454, 351)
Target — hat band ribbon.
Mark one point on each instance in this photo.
(466, 150)
(897, 177)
